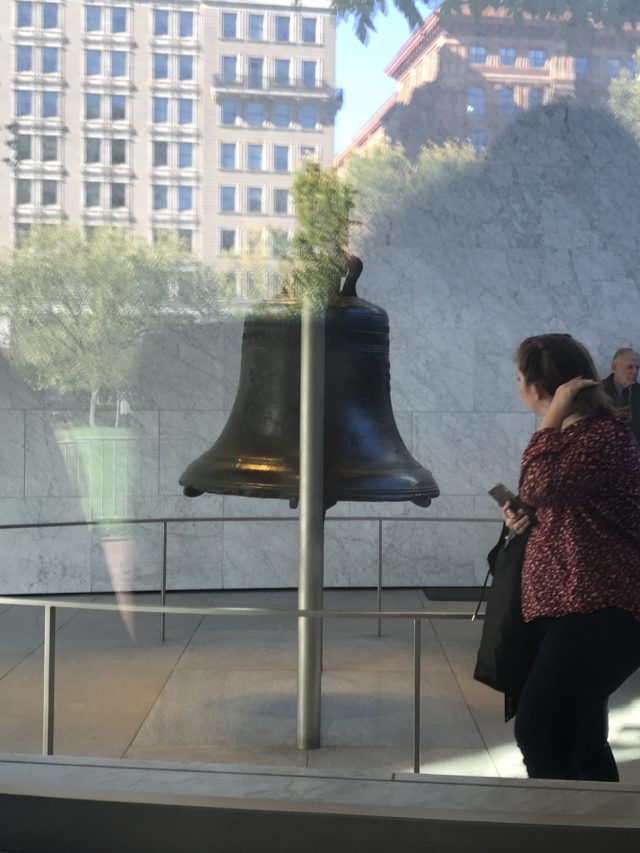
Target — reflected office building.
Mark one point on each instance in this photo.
(466, 82)
(182, 115)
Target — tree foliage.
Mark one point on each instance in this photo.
(78, 307)
(624, 99)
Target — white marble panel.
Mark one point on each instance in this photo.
(237, 506)
(205, 506)
(126, 557)
(46, 473)
(39, 510)
(444, 506)
(50, 560)
(194, 555)
(233, 329)
(185, 435)
(12, 453)
(14, 392)
(350, 553)
(260, 554)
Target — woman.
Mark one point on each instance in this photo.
(580, 474)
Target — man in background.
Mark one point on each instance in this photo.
(622, 385)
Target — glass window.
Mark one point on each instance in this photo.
(92, 150)
(185, 198)
(308, 73)
(630, 66)
(160, 152)
(282, 72)
(229, 111)
(185, 67)
(477, 54)
(23, 146)
(478, 139)
(160, 196)
(506, 102)
(308, 116)
(160, 22)
(50, 149)
(91, 106)
(23, 191)
(228, 239)
(186, 235)
(185, 111)
(92, 194)
(536, 98)
(24, 57)
(507, 55)
(280, 115)
(185, 155)
(229, 64)
(49, 193)
(279, 242)
(280, 201)
(476, 101)
(254, 199)
(50, 16)
(160, 110)
(228, 199)
(118, 108)
(24, 102)
(118, 63)
(254, 158)
(255, 113)
(309, 30)
(253, 238)
(256, 27)
(228, 155)
(307, 151)
(281, 158)
(160, 66)
(50, 104)
(185, 25)
(118, 152)
(118, 195)
(92, 62)
(92, 18)
(50, 63)
(582, 65)
(118, 19)
(229, 25)
(255, 73)
(537, 58)
(283, 28)
(24, 14)
(613, 67)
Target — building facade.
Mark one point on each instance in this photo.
(468, 81)
(185, 115)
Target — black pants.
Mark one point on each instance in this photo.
(562, 720)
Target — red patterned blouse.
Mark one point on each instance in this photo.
(584, 553)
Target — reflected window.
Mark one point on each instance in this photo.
(185, 198)
(309, 30)
(307, 151)
(118, 19)
(255, 113)
(50, 149)
(92, 194)
(229, 65)
(92, 150)
(118, 152)
(118, 195)
(91, 106)
(228, 239)
(50, 60)
(49, 193)
(282, 72)
(160, 66)
(229, 25)
(228, 199)
(279, 243)
(281, 115)
(24, 57)
(255, 73)
(185, 111)
(280, 201)
(118, 63)
(160, 22)
(185, 155)
(506, 102)
(118, 108)
(24, 14)
(92, 19)
(477, 55)
(50, 16)
(160, 196)
(281, 158)
(537, 58)
(308, 73)
(478, 139)
(283, 28)
(185, 67)
(24, 102)
(23, 191)
(256, 27)
(582, 65)
(160, 155)
(160, 110)
(185, 24)
(308, 116)
(92, 63)
(507, 55)
(229, 111)
(186, 237)
(254, 158)
(536, 98)
(476, 101)
(228, 155)
(613, 67)
(23, 146)
(50, 108)
(630, 66)
(254, 199)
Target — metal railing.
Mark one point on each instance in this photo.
(49, 642)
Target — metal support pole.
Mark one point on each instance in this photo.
(379, 574)
(163, 579)
(311, 571)
(48, 698)
(417, 648)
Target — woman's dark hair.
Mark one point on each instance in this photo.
(552, 360)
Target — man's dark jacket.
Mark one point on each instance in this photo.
(634, 402)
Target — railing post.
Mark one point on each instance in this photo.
(163, 579)
(417, 661)
(379, 574)
(48, 698)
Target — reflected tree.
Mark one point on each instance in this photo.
(624, 99)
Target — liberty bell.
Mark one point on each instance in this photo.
(365, 459)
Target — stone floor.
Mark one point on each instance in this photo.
(223, 690)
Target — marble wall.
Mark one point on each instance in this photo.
(540, 236)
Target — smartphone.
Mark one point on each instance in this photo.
(501, 494)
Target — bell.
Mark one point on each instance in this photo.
(365, 459)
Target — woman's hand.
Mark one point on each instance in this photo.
(561, 405)
(516, 520)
